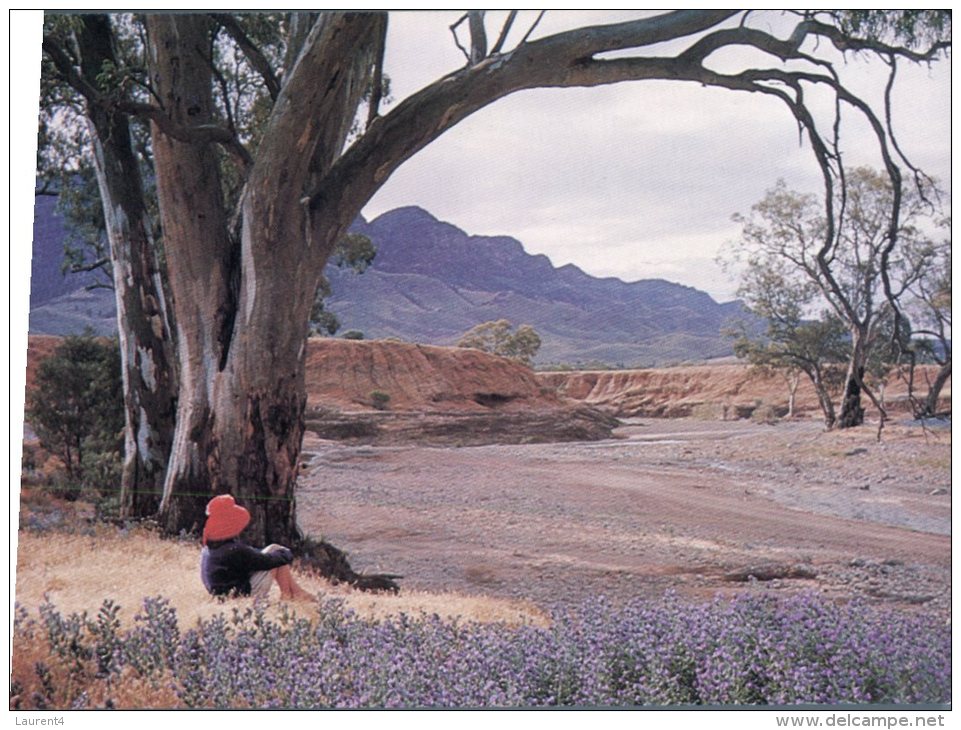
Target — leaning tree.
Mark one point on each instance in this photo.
(243, 269)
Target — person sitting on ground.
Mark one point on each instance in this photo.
(229, 566)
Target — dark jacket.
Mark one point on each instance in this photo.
(226, 566)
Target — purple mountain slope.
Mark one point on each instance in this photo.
(430, 282)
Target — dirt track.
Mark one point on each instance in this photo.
(693, 506)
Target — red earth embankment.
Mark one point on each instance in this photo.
(386, 377)
(395, 392)
(345, 373)
(718, 391)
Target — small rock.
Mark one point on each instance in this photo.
(855, 452)
(937, 492)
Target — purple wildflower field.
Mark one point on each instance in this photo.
(744, 651)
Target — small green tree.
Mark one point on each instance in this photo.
(323, 322)
(816, 348)
(76, 409)
(379, 399)
(499, 338)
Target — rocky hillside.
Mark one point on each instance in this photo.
(61, 303)
(431, 282)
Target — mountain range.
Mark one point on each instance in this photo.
(430, 282)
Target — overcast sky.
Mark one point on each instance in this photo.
(635, 180)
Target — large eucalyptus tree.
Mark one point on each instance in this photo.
(243, 269)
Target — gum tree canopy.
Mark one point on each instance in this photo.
(267, 137)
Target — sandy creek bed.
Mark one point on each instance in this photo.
(700, 507)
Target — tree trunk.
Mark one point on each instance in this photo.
(930, 407)
(793, 381)
(201, 259)
(824, 398)
(852, 412)
(240, 419)
(145, 336)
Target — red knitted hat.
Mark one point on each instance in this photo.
(225, 518)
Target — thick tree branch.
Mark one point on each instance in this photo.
(572, 59)
(301, 25)
(199, 134)
(322, 92)
(307, 130)
(68, 71)
(551, 61)
(586, 42)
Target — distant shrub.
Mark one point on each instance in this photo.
(77, 411)
(710, 412)
(379, 399)
(765, 413)
(751, 650)
(353, 335)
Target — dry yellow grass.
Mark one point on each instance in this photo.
(78, 572)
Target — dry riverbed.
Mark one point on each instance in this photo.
(699, 507)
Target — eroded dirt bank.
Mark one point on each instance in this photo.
(700, 507)
(722, 391)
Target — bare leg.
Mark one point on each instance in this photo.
(289, 589)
